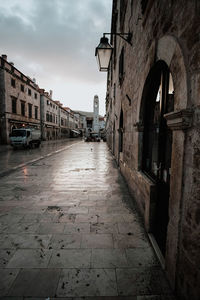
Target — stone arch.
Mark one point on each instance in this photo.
(169, 51)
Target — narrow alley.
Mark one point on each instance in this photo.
(70, 229)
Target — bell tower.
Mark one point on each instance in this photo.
(96, 114)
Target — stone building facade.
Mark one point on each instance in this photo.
(81, 122)
(91, 121)
(74, 122)
(153, 126)
(87, 122)
(19, 100)
(71, 119)
(50, 117)
(64, 122)
(24, 104)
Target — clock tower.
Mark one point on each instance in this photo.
(96, 114)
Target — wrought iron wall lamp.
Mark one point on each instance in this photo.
(104, 50)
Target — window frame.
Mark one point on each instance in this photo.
(22, 88)
(24, 107)
(14, 105)
(30, 110)
(36, 112)
(13, 82)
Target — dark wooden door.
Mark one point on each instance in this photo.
(157, 146)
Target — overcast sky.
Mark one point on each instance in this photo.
(54, 42)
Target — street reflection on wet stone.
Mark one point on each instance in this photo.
(70, 229)
(11, 158)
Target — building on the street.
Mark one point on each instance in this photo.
(24, 104)
(87, 119)
(64, 122)
(92, 121)
(19, 100)
(50, 116)
(153, 126)
(81, 122)
(73, 122)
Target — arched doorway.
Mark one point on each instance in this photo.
(158, 99)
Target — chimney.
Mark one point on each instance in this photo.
(4, 56)
(50, 94)
(41, 91)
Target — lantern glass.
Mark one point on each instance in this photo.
(103, 54)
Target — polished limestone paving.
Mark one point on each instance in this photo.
(11, 159)
(70, 230)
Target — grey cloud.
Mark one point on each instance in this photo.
(60, 34)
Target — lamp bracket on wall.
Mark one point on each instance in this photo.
(125, 36)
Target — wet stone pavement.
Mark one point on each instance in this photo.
(70, 230)
(11, 159)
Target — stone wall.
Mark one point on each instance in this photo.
(21, 96)
(167, 31)
(2, 108)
